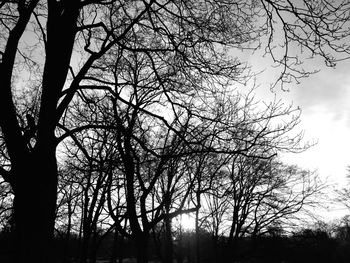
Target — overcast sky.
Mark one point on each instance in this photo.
(325, 102)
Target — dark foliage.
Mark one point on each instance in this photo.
(308, 245)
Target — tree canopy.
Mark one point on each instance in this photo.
(155, 78)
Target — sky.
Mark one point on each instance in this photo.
(325, 102)
(324, 99)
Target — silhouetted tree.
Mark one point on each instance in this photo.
(256, 194)
(68, 47)
(90, 160)
(67, 215)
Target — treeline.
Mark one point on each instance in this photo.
(310, 245)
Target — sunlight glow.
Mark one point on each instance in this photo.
(187, 222)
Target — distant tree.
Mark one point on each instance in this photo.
(256, 194)
(280, 193)
(67, 214)
(314, 245)
(84, 188)
(342, 195)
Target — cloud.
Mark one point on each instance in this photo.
(325, 92)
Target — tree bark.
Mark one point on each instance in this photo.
(67, 254)
(168, 240)
(113, 258)
(197, 237)
(34, 170)
(142, 248)
(86, 237)
(34, 208)
(120, 250)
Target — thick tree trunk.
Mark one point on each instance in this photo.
(117, 248)
(215, 240)
(34, 208)
(113, 258)
(142, 248)
(34, 171)
(94, 247)
(168, 258)
(231, 250)
(84, 253)
(120, 250)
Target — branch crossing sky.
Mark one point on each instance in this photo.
(324, 99)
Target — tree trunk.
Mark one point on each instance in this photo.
(120, 249)
(231, 250)
(215, 241)
(34, 208)
(142, 248)
(66, 258)
(34, 171)
(117, 248)
(180, 247)
(94, 247)
(85, 248)
(114, 247)
(197, 252)
(168, 241)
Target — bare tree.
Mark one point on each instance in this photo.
(67, 215)
(257, 194)
(65, 46)
(89, 163)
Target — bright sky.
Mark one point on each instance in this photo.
(325, 102)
